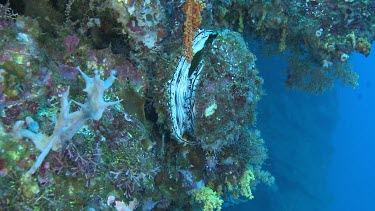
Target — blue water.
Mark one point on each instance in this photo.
(352, 170)
(321, 147)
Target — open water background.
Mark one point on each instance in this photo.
(321, 147)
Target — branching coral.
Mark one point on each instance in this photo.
(316, 78)
(67, 124)
(192, 10)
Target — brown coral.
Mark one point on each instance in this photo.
(192, 10)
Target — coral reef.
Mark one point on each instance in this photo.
(184, 135)
(67, 124)
(311, 34)
(142, 21)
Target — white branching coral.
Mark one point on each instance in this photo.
(67, 124)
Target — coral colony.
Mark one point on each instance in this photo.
(67, 124)
(173, 127)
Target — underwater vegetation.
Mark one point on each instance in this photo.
(173, 125)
